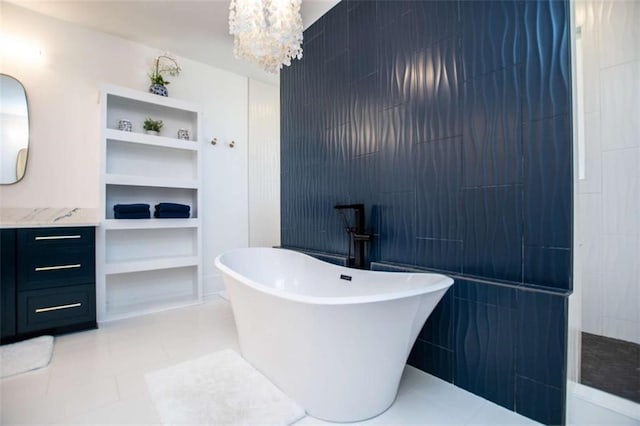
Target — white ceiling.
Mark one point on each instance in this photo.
(195, 29)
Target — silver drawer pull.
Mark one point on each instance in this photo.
(57, 308)
(59, 237)
(55, 268)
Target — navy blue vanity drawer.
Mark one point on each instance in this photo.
(56, 307)
(45, 267)
(54, 238)
(7, 283)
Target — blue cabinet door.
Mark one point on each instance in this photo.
(7, 283)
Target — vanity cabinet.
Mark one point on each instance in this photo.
(48, 281)
(7, 282)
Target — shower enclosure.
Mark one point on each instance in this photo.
(604, 345)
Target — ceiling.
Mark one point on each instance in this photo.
(195, 29)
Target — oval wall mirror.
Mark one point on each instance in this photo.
(14, 130)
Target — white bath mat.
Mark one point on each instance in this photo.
(25, 356)
(219, 389)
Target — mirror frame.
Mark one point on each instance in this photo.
(26, 100)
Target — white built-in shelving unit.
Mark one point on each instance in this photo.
(147, 265)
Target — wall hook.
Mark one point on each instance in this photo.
(232, 144)
(214, 141)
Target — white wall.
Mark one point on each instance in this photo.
(608, 197)
(225, 182)
(62, 89)
(264, 164)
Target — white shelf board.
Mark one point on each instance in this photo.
(110, 224)
(114, 179)
(151, 140)
(149, 98)
(150, 264)
(145, 308)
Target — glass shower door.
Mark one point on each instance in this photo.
(605, 307)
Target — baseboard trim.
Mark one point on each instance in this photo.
(606, 400)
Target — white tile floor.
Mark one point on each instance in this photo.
(97, 377)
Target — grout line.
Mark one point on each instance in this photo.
(608, 67)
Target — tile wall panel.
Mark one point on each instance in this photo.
(438, 330)
(503, 296)
(389, 11)
(618, 26)
(450, 121)
(396, 42)
(433, 359)
(539, 316)
(397, 224)
(436, 21)
(397, 143)
(547, 266)
(548, 182)
(339, 151)
(621, 291)
(492, 139)
(362, 39)
(540, 402)
(437, 98)
(338, 91)
(438, 172)
(363, 184)
(484, 356)
(336, 32)
(363, 114)
(619, 88)
(493, 219)
(621, 191)
(441, 254)
(546, 59)
(492, 35)
(314, 83)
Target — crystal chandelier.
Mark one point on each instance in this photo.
(268, 32)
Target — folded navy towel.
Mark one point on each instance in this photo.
(171, 215)
(130, 208)
(133, 215)
(172, 207)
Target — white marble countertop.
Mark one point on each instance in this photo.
(48, 217)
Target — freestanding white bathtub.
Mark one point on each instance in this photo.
(336, 346)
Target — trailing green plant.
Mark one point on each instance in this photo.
(161, 66)
(151, 124)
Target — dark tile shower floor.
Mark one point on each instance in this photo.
(611, 365)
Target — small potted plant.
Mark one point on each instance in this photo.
(152, 126)
(162, 64)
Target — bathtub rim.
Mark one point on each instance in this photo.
(444, 282)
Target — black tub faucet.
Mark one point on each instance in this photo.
(356, 233)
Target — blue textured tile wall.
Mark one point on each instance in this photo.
(504, 342)
(451, 122)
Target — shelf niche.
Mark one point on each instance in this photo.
(136, 111)
(136, 293)
(122, 194)
(148, 265)
(150, 161)
(145, 244)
